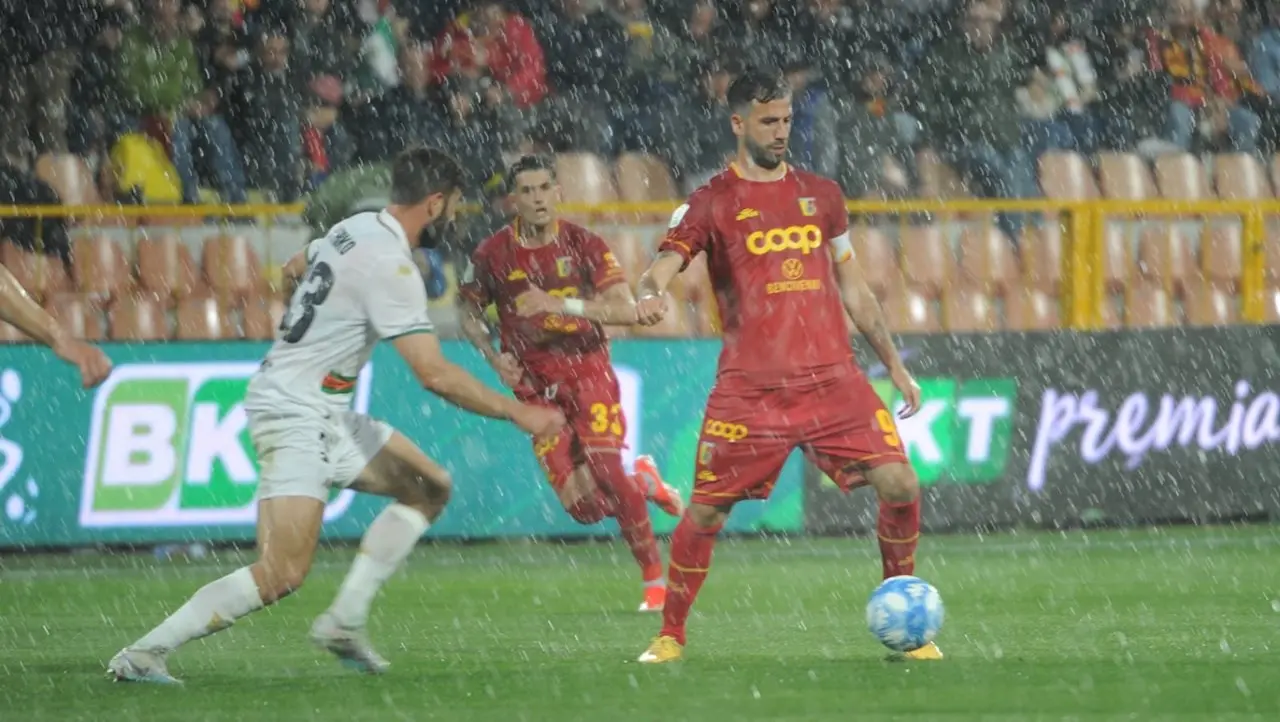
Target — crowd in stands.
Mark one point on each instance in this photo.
(275, 95)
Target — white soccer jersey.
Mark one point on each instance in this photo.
(361, 286)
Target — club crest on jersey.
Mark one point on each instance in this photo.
(809, 206)
(518, 275)
(564, 266)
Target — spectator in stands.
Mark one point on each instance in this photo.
(408, 114)
(829, 33)
(968, 103)
(586, 66)
(1131, 97)
(97, 110)
(1209, 81)
(162, 79)
(20, 187)
(1264, 52)
(877, 137)
(690, 35)
(759, 33)
(1062, 88)
(703, 145)
(223, 48)
(271, 104)
(490, 66)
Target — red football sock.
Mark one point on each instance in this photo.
(691, 547)
(898, 527)
(631, 509)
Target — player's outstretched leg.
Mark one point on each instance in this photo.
(420, 489)
(631, 508)
(898, 528)
(691, 547)
(288, 529)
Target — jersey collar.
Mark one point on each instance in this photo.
(396, 229)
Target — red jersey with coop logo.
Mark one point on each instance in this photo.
(770, 257)
(577, 264)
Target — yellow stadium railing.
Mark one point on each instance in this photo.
(1084, 225)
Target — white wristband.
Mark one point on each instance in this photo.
(575, 307)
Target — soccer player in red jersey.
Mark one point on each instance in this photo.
(555, 284)
(778, 252)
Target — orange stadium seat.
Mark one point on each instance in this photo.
(1125, 177)
(77, 315)
(1030, 309)
(101, 269)
(1165, 255)
(643, 177)
(41, 275)
(875, 255)
(232, 267)
(1148, 305)
(261, 317)
(910, 310)
(1117, 256)
(1041, 255)
(937, 179)
(966, 308)
(632, 253)
(1067, 176)
(1209, 304)
(165, 268)
(1181, 177)
(138, 317)
(1271, 304)
(1271, 256)
(1220, 254)
(1239, 177)
(926, 259)
(70, 178)
(203, 318)
(987, 259)
(584, 178)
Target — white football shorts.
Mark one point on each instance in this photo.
(310, 455)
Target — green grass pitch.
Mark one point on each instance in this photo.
(1179, 623)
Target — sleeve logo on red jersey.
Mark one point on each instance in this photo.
(678, 215)
(805, 239)
(809, 206)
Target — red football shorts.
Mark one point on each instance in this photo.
(591, 402)
(747, 434)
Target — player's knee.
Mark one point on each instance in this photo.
(277, 581)
(585, 510)
(706, 516)
(896, 483)
(429, 494)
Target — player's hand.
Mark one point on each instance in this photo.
(538, 421)
(94, 365)
(910, 390)
(509, 369)
(650, 310)
(536, 301)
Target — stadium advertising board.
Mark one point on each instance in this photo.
(1059, 429)
(161, 452)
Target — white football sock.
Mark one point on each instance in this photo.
(388, 541)
(213, 608)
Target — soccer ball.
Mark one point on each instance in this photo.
(904, 613)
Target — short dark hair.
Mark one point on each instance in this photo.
(528, 163)
(758, 85)
(420, 172)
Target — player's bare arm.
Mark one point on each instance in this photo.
(453, 384)
(651, 307)
(293, 271)
(19, 309)
(615, 306)
(475, 328)
(867, 315)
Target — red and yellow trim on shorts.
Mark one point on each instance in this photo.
(336, 384)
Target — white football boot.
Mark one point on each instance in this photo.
(140, 665)
(350, 646)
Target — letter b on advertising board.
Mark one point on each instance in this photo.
(169, 446)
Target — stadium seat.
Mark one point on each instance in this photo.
(1041, 253)
(261, 317)
(937, 179)
(75, 313)
(1181, 177)
(875, 255)
(1148, 305)
(676, 324)
(1028, 308)
(910, 310)
(584, 178)
(987, 259)
(1125, 177)
(969, 309)
(138, 317)
(70, 178)
(1209, 304)
(1067, 176)
(41, 275)
(632, 253)
(1117, 255)
(1239, 177)
(1109, 316)
(232, 268)
(101, 269)
(165, 268)
(1271, 304)
(203, 318)
(642, 177)
(926, 259)
(1220, 254)
(1165, 255)
(1271, 256)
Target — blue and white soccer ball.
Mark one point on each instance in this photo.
(904, 613)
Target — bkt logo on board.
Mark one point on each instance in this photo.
(169, 446)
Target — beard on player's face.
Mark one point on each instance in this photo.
(764, 156)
